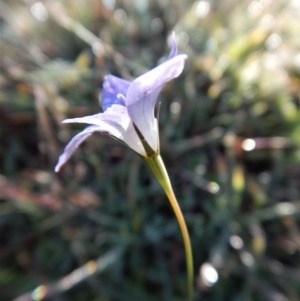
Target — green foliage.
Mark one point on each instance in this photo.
(102, 229)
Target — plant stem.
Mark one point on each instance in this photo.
(157, 166)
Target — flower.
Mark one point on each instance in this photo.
(128, 109)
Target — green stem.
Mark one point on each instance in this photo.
(157, 166)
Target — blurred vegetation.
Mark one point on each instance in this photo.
(102, 229)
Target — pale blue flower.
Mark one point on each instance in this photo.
(128, 109)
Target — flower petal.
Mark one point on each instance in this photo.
(112, 86)
(173, 51)
(116, 122)
(73, 144)
(142, 94)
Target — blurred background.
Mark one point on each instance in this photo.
(102, 228)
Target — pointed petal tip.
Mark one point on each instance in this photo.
(185, 56)
(177, 64)
(173, 36)
(61, 161)
(173, 51)
(66, 121)
(90, 119)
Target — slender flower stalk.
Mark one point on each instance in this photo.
(128, 116)
(158, 168)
